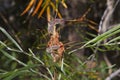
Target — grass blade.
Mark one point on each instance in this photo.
(9, 37)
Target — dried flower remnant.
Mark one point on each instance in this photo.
(55, 47)
(52, 27)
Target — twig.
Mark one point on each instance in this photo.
(105, 20)
(108, 63)
(114, 74)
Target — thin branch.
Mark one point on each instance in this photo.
(114, 74)
(105, 20)
(108, 63)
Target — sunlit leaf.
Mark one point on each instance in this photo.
(43, 9)
(55, 9)
(38, 7)
(63, 3)
(29, 6)
(48, 13)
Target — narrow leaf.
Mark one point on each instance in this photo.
(38, 7)
(55, 9)
(28, 7)
(8, 35)
(43, 9)
(64, 4)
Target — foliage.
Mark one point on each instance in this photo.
(40, 65)
(40, 68)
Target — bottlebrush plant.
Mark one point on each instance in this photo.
(54, 46)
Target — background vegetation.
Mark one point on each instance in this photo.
(88, 54)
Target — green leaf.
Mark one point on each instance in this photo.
(99, 38)
(12, 74)
(105, 35)
(12, 57)
(9, 37)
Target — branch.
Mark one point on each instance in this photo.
(105, 20)
(114, 74)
